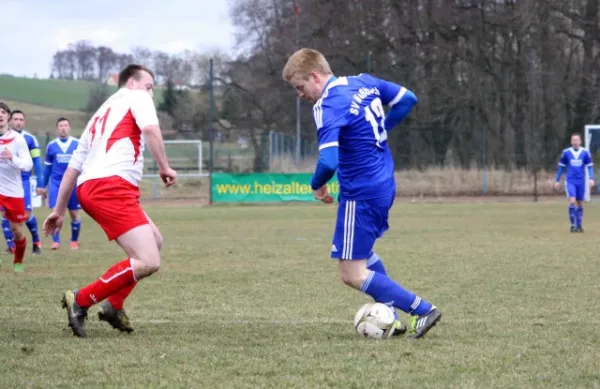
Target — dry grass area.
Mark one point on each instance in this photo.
(460, 182)
(433, 182)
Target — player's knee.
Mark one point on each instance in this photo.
(353, 276)
(151, 264)
(17, 230)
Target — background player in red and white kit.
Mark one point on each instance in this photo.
(107, 167)
(14, 159)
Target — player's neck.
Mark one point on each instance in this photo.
(4, 130)
(326, 80)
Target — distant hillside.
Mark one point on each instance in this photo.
(40, 120)
(59, 94)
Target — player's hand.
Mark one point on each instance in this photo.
(53, 223)
(6, 154)
(556, 185)
(168, 176)
(41, 192)
(323, 195)
(592, 183)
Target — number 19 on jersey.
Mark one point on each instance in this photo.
(375, 115)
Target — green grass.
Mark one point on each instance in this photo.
(59, 94)
(247, 298)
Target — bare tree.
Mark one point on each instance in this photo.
(105, 61)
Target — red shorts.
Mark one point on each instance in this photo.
(113, 203)
(14, 208)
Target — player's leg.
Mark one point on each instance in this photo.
(10, 244)
(580, 196)
(359, 224)
(571, 194)
(14, 209)
(112, 308)
(114, 204)
(31, 222)
(74, 207)
(52, 197)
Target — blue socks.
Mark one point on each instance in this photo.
(32, 224)
(75, 228)
(376, 264)
(8, 235)
(579, 215)
(572, 214)
(386, 291)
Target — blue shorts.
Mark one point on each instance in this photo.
(359, 224)
(576, 190)
(73, 203)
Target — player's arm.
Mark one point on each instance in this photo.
(400, 100)
(67, 184)
(48, 162)
(329, 121)
(589, 164)
(561, 167)
(36, 157)
(144, 112)
(22, 158)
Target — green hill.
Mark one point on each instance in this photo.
(59, 94)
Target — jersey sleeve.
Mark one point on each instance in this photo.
(33, 146)
(143, 109)
(587, 159)
(564, 160)
(389, 92)
(330, 117)
(81, 152)
(49, 159)
(22, 158)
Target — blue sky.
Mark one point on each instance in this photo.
(33, 30)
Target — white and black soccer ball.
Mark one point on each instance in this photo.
(375, 320)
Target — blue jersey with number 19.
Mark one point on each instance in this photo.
(350, 115)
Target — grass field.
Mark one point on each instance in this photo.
(247, 298)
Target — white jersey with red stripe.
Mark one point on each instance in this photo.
(112, 143)
(11, 183)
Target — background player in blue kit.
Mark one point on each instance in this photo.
(17, 123)
(351, 128)
(576, 159)
(58, 155)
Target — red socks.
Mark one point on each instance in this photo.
(118, 277)
(117, 299)
(20, 246)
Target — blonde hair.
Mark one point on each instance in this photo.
(303, 62)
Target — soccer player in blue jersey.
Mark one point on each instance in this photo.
(352, 132)
(58, 155)
(575, 159)
(17, 122)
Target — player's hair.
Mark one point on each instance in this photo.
(134, 71)
(576, 134)
(16, 111)
(62, 119)
(303, 62)
(4, 106)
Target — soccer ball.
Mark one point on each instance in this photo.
(375, 320)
